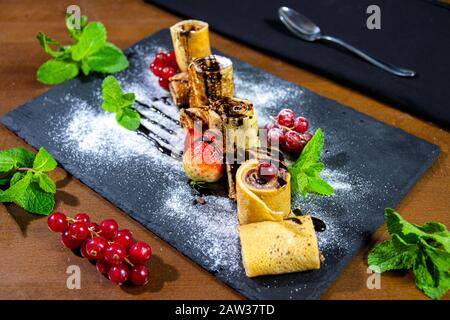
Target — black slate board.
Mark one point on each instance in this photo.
(370, 164)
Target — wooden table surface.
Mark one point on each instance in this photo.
(34, 262)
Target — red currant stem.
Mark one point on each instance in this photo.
(287, 128)
(94, 233)
(129, 262)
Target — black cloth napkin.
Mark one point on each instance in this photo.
(414, 34)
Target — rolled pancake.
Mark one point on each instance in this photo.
(210, 78)
(190, 40)
(255, 204)
(279, 247)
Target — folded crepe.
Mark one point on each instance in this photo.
(190, 39)
(237, 121)
(210, 78)
(279, 247)
(261, 200)
(179, 89)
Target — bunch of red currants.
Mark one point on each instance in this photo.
(291, 133)
(114, 251)
(164, 66)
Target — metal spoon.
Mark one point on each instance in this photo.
(307, 30)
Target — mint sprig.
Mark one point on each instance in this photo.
(27, 181)
(424, 249)
(305, 171)
(90, 51)
(120, 103)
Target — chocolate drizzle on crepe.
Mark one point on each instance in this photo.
(210, 68)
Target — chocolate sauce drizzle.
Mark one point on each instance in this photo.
(319, 225)
(157, 110)
(155, 138)
(150, 135)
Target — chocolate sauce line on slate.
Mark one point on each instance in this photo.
(145, 132)
(168, 130)
(158, 111)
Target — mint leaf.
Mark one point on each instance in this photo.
(318, 186)
(6, 163)
(312, 151)
(46, 184)
(85, 68)
(393, 254)
(55, 72)
(22, 157)
(412, 234)
(44, 161)
(305, 171)
(92, 39)
(109, 59)
(46, 42)
(71, 25)
(429, 279)
(35, 200)
(16, 190)
(116, 101)
(16, 177)
(90, 51)
(425, 249)
(112, 94)
(128, 118)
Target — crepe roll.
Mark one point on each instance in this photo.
(179, 89)
(210, 78)
(238, 122)
(190, 40)
(261, 199)
(286, 246)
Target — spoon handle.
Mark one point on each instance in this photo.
(383, 65)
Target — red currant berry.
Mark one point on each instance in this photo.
(167, 72)
(102, 266)
(286, 118)
(139, 275)
(124, 237)
(140, 252)
(272, 125)
(115, 253)
(84, 253)
(96, 247)
(57, 222)
(109, 228)
(158, 70)
(301, 125)
(307, 136)
(164, 83)
(82, 217)
(79, 231)
(170, 56)
(68, 241)
(160, 58)
(267, 170)
(292, 142)
(118, 273)
(92, 226)
(276, 135)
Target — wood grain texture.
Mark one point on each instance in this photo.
(33, 260)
